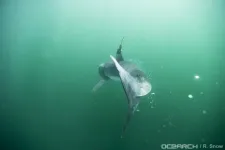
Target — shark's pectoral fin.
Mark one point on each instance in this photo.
(98, 85)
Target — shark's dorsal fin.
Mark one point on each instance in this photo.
(119, 56)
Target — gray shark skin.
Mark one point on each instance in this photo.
(134, 81)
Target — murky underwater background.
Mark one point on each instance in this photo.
(49, 56)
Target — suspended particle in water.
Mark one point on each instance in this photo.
(147, 141)
(137, 110)
(162, 67)
(190, 96)
(169, 121)
(159, 131)
(201, 93)
(164, 126)
(152, 93)
(171, 124)
(149, 76)
(197, 77)
(204, 112)
(202, 140)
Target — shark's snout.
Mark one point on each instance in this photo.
(142, 85)
(145, 88)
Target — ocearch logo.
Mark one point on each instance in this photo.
(179, 146)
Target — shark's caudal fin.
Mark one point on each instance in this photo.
(119, 56)
(131, 109)
(98, 85)
(128, 82)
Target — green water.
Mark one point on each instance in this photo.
(49, 57)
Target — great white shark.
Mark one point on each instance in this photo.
(134, 81)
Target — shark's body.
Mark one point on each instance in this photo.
(134, 81)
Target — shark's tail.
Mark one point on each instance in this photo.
(129, 114)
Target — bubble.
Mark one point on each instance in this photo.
(190, 96)
(151, 101)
